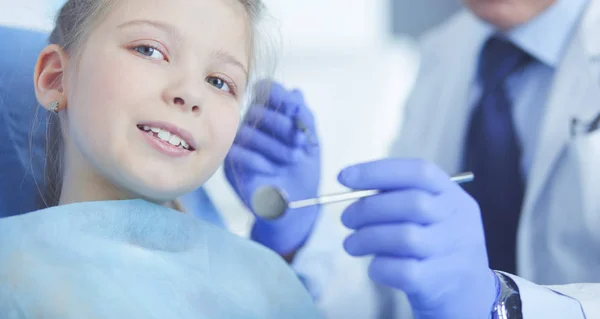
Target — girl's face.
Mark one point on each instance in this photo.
(153, 103)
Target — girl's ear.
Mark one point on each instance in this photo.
(49, 78)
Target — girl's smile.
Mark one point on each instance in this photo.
(168, 139)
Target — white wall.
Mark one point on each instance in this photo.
(338, 52)
(315, 26)
(31, 14)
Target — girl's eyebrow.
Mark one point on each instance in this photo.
(230, 59)
(165, 27)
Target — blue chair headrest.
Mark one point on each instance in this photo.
(23, 139)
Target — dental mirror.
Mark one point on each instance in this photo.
(270, 202)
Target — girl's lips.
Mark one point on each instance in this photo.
(186, 138)
(163, 146)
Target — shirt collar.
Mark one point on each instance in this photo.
(547, 36)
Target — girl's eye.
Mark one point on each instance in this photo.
(219, 84)
(149, 51)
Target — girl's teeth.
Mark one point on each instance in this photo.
(167, 136)
(174, 140)
(164, 135)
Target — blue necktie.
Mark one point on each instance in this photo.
(493, 152)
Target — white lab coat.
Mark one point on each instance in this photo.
(559, 231)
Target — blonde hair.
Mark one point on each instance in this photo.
(73, 24)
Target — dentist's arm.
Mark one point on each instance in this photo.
(427, 239)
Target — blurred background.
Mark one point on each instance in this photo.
(355, 60)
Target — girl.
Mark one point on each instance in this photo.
(147, 94)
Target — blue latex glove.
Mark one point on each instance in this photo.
(271, 149)
(426, 236)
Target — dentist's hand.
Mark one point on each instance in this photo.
(270, 149)
(426, 236)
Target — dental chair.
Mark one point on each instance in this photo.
(22, 150)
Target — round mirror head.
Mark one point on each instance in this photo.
(269, 202)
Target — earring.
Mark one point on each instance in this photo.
(54, 107)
